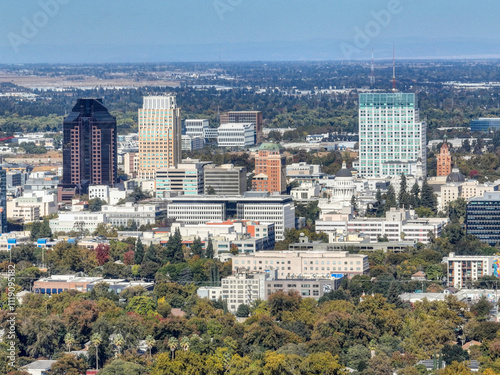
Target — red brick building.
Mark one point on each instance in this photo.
(270, 169)
(444, 161)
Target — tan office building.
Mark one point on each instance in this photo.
(253, 117)
(159, 135)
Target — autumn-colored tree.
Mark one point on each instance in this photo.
(102, 253)
(69, 365)
(128, 258)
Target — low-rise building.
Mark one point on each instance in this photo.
(189, 143)
(32, 206)
(398, 225)
(57, 284)
(187, 178)
(463, 270)
(119, 285)
(294, 264)
(77, 221)
(141, 214)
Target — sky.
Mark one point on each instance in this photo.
(89, 31)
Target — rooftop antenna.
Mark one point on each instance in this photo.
(393, 68)
(372, 75)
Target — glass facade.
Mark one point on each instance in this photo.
(89, 146)
(485, 124)
(483, 218)
(391, 137)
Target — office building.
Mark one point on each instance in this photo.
(270, 169)
(483, 217)
(253, 117)
(187, 178)
(82, 222)
(225, 179)
(89, 149)
(277, 209)
(236, 135)
(159, 135)
(189, 143)
(140, 214)
(444, 161)
(293, 264)
(398, 225)
(32, 206)
(463, 270)
(131, 164)
(391, 137)
(485, 124)
(196, 128)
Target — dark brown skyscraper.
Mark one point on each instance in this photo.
(89, 148)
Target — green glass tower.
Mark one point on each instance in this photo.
(392, 139)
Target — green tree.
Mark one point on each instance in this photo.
(358, 357)
(139, 252)
(120, 367)
(68, 364)
(243, 311)
(390, 198)
(150, 255)
(415, 196)
(96, 204)
(45, 231)
(427, 197)
(174, 247)
(403, 197)
(210, 249)
(210, 191)
(35, 230)
(96, 340)
(197, 247)
(69, 340)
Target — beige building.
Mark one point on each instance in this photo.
(32, 206)
(159, 135)
(466, 190)
(131, 164)
(304, 263)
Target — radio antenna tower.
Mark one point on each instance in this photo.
(372, 75)
(393, 68)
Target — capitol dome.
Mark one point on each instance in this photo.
(455, 175)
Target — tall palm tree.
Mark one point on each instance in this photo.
(69, 340)
(173, 343)
(96, 340)
(185, 343)
(150, 342)
(118, 341)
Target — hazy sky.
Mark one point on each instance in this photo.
(142, 30)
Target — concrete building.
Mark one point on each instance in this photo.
(483, 218)
(243, 288)
(119, 285)
(89, 149)
(303, 171)
(293, 264)
(307, 288)
(187, 178)
(444, 161)
(270, 169)
(110, 195)
(159, 135)
(391, 137)
(279, 210)
(131, 164)
(225, 179)
(236, 135)
(141, 214)
(189, 143)
(196, 128)
(77, 221)
(32, 206)
(252, 117)
(305, 192)
(56, 284)
(463, 270)
(398, 225)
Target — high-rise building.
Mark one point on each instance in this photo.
(253, 117)
(89, 148)
(391, 137)
(270, 169)
(225, 180)
(482, 218)
(186, 178)
(444, 161)
(159, 135)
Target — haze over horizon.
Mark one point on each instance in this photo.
(66, 31)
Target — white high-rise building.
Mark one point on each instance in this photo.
(159, 135)
(391, 137)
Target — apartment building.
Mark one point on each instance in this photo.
(463, 270)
